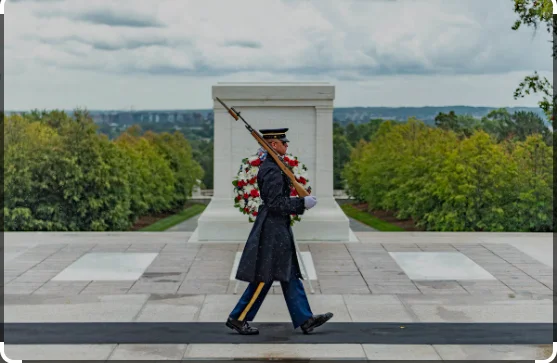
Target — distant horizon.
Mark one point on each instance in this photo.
(210, 109)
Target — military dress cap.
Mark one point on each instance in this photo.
(279, 134)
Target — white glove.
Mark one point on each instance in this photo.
(310, 201)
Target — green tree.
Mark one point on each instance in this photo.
(66, 173)
(463, 125)
(30, 160)
(447, 121)
(61, 174)
(446, 182)
(153, 179)
(536, 13)
(178, 154)
(376, 166)
(352, 171)
(353, 134)
(338, 129)
(517, 126)
(498, 123)
(473, 184)
(203, 153)
(341, 155)
(528, 123)
(422, 150)
(532, 205)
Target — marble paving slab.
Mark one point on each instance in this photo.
(436, 266)
(108, 266)
(78, 308)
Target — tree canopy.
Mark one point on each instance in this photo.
(61, 175)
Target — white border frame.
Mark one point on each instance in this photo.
(550, 359)
(2, 352)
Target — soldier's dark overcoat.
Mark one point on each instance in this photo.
(269, 253)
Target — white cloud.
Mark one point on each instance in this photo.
(177, 41)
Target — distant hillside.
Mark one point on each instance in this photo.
(427, 114)
(179, 119)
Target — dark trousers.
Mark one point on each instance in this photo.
(255, 293)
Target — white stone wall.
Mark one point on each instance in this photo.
(306, 109)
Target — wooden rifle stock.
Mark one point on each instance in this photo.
(270, 151)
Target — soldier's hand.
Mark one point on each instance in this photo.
(310, 201)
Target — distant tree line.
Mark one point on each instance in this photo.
(60, 174)
(464, 174)
(499, 124)
(199, 138)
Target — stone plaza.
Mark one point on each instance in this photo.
(385, 278)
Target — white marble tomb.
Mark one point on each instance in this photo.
(307, 110)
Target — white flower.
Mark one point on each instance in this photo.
(248, 188)
(252, 172)
(242, 176)
(242, 203)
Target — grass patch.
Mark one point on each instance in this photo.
(166, 223)
(369, 220)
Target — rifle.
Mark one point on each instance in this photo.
(270, 151)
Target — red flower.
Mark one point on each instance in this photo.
(303, 180)
(246, 209)
(254, 193)
(293, 162)
(246, 196)
(253, 180)
(293, 192)
(238, 198)
(256, 162)
(254, 213)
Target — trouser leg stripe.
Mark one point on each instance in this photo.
(253, 298)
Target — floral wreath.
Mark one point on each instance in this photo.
(247, 198)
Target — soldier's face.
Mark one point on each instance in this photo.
(280, 146)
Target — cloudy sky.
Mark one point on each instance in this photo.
(161, 54)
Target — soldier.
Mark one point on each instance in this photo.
(269, 254)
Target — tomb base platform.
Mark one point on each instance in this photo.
(221, 222)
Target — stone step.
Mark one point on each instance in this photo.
(260, 352)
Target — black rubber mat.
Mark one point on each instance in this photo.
(278, 333)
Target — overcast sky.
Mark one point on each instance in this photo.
(162, 54)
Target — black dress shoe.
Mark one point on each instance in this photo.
(315, 321)
(242, 328)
